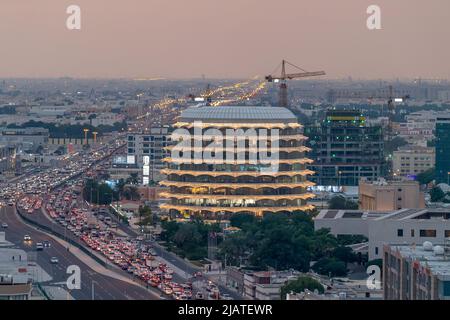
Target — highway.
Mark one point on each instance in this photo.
(105, 287)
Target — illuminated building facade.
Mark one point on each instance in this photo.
(233, 180)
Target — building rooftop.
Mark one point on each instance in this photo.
(236, 113)
(403, 214)
(438, 264)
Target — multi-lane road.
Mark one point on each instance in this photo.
(105, 287)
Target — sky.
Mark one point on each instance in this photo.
(224, 38)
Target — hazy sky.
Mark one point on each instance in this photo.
(224, 38)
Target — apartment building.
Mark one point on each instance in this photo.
(410, 161)
(413, 272)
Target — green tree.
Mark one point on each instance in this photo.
(427, 176)
(330, 267)
(300, 284)
(344, 254)
(437, 194)
(131, 193)
(341, 203)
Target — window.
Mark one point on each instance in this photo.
(412, 233)
(428, 233)
(376, 250)
(447, 233)
(399, 232)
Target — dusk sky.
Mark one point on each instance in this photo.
(224, 39)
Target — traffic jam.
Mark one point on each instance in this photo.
(95, 228)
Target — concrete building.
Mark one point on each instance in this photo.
(410, 161)
(443, 150)
(416, 272)
(151, 146)
(345, 148)
(406, 226)
(382, 195)
(15, 281)
(25, 139)
(266, 285)
(241, 176)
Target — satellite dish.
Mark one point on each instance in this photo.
(439, 251)
(427, 246)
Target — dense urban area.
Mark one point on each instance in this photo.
(88, 178)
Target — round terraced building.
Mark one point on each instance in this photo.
(228, 160)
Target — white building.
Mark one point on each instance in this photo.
(407, 226)
(413, 160)
(149, 146)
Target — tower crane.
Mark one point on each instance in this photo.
(283, 98)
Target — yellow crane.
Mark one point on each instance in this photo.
(282, 79)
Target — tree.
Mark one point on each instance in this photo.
(437, 194)
(341, 203)
(330, 267)
(344, 254)
(131, 193)
(427, 176)
(300, 284)
(240, 219)
(133, 178)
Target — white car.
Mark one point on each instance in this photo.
(54, 260)
(4, 225)
(26, 238)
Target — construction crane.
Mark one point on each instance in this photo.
(283, 98)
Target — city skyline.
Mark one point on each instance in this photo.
(177, 40)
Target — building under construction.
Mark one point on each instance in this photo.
(345, 148)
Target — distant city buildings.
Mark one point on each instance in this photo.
(25, 139)
(410, 160)
(345, 149)
(382, 195)
(443, 150)
(235, 183)
(416, 272)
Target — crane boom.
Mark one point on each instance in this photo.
(283, 101)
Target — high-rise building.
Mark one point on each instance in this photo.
(345, 148)
(256, 163)
(148, 151)
(443, 150)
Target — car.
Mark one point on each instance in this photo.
(47, 244)
(199, 296)
(54, 260)
(4, 225)
(26, 238)
(39, 246)
(226, 296)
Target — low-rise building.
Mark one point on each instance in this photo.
(407, 226)
(382, 195)
(410, 161)
(412, 272)
(15, 282)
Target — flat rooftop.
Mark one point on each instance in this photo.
(225, 114)
(438, 264)
(404, 214)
